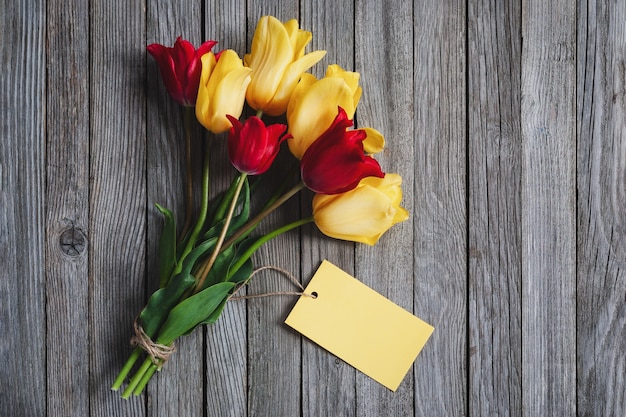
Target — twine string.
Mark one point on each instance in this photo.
(159, 354)
(271, 293)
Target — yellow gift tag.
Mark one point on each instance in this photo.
(360, 326)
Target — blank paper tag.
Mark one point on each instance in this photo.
(360, 326)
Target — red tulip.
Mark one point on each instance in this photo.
(252, 146)
(180, 68)
(336, 161)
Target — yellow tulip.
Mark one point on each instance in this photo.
(277, 61)
(362, 214)
(222, 90)
(314, 105)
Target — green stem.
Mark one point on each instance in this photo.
(136, 378)
(283, 186)
(259, 113)
(248, 253)
(126, 369)
(223, 206)
(248, 227)
(145, 379)
(189, 174)
(218, 245)
(203, 208)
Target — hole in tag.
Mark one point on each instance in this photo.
(314, 294)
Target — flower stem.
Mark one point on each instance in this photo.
(248, 253)
(136, 378)
(218, 245)
(189, 174)
(248, 227)
(126, 369)
(145, 379)
(203, 206)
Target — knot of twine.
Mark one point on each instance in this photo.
(159, 354)
(269, 294)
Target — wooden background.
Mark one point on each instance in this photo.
(506, 119)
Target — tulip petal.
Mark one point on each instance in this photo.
(271, 54)
(278, 104)
(253, 147)
(180, 68)
(228, 98)
(315, 112)
(374, 141)
(336, 162)
(363, 214)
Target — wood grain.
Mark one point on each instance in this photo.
(274, 351)
(178, 390)
(387, 105)
(548, 208)
(329, 383)
(513, 156)
(117, 256)
(67, 209)
(226, 346)
(440, 224)
(601, 305)
(494, 179)
(22, 203)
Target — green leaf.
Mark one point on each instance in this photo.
(193, 311)
(167, 246)
(242, 274)
(219, 270)
(239, 220)
(224, 201)
(163, 300)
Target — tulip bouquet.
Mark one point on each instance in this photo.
(204, 263)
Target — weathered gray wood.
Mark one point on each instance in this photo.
(440, 205)
(274, 351)
(548, 208)
(226, 341)
(67, 209)
(601, 116)
(387, 105)
(117, 195)
(532, 323)
(178, 389)
(22, 200)
(494, 175)
(329, 384)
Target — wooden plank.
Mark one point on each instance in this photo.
(329, 383)
(67, 207)
(494, 147)
(548, 208)
(383, 55)
(226, 341)
(22, 219)
(440, 205)
(601, 111)
(274, 351)
(117, 195)
(178, 389)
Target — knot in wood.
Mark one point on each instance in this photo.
(73, 242)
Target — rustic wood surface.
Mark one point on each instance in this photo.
(506, 120)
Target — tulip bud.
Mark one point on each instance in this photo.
(362, 214)
(180, 68)
(252, 146)
(222, 90)
(277, 60)
(336, 162)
